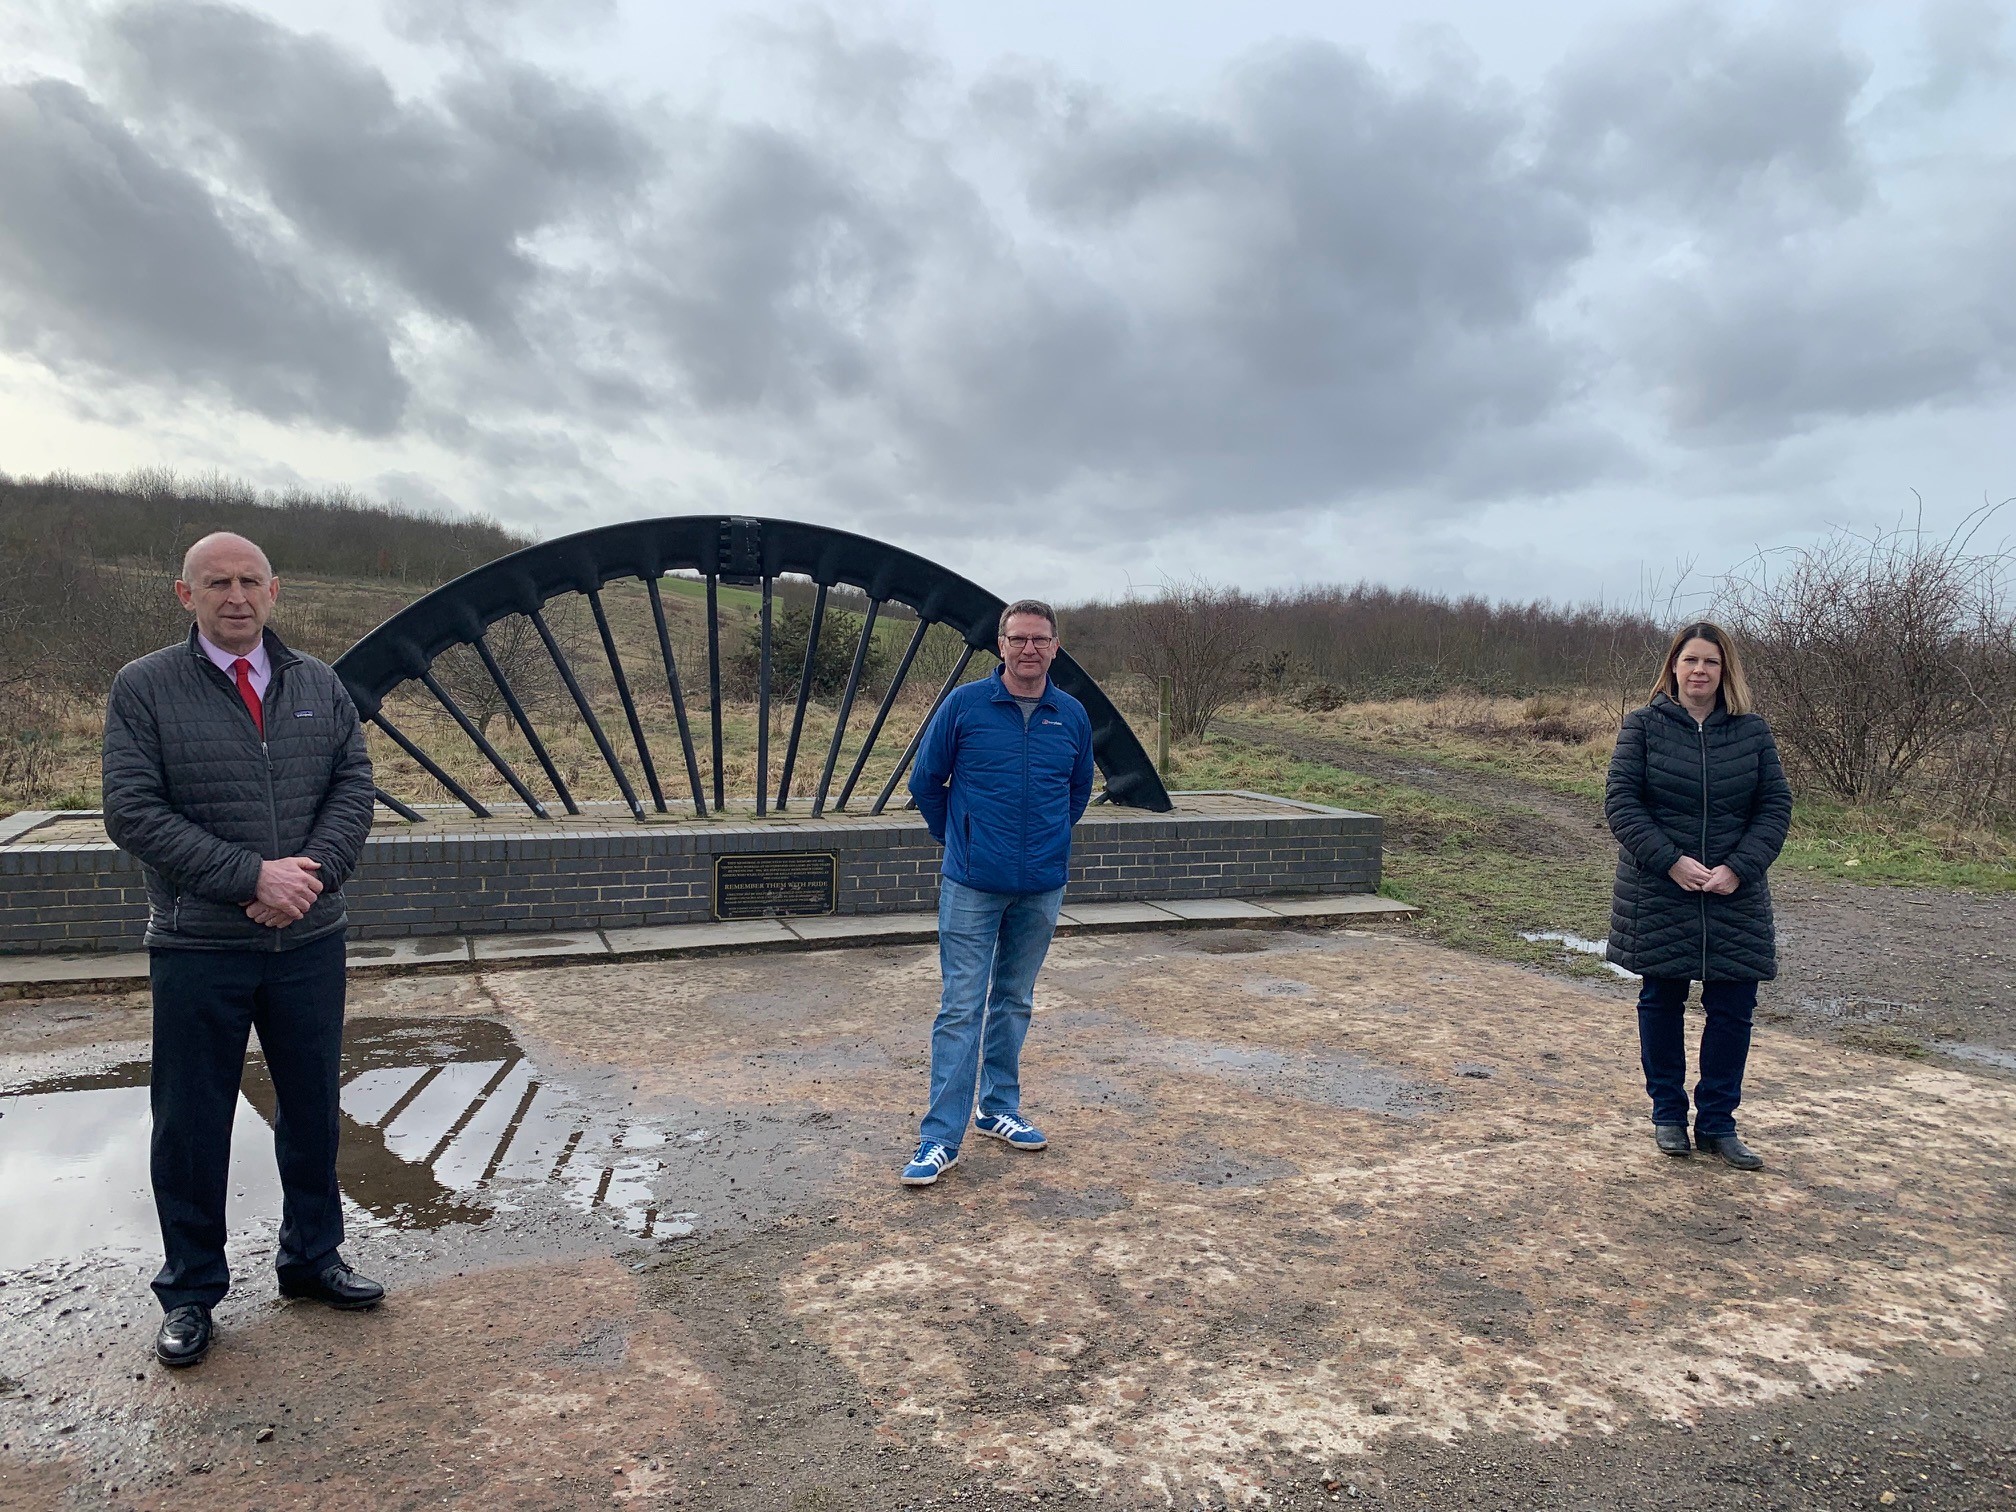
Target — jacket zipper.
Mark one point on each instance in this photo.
(1022, 866)
(1701, 734)
(272, 804)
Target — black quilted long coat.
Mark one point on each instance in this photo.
(1714, 791)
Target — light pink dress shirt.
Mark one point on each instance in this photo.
(262, 664)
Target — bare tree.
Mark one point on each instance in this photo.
(523, 659)
(1875, 654)
(1201, 636)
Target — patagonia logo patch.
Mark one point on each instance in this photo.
(304, 713)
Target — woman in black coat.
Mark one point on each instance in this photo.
(1700, 806)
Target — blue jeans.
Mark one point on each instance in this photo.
(1725, 1047)
(990, 947)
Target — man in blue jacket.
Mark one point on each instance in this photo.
(1005, 771)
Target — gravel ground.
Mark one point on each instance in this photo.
(1900, 969)
(1330, 1217)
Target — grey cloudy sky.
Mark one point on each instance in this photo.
(1536, 301)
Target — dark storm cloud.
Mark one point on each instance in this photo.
(1695, 110)
(1322, 283)
(1323, 286)
(115, 261)
(1797, 296)
(1870, 321)
(763, 272)
(441, 196)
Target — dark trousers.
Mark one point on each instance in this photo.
(205, 1002)
(1725, 1048)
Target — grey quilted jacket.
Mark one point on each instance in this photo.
(1713, 791)
(195, 795)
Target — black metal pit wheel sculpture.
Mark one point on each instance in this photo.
(749, 553)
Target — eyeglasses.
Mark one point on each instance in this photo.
(1029, 642)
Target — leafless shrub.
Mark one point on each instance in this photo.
(1200, 636)
(1887, 658)
(526, 664)
(1369, 642)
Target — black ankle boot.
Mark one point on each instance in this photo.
(1671, 1139)
(1732, 1150)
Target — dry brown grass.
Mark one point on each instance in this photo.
(1562, 740)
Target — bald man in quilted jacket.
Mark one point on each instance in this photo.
(235, 773)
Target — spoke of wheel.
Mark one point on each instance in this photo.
(763, 709)
(846, 705)
(432, 768)
(804, 697)
(524, 723)
(629, 703)
(714, 683)
(882, 714)
(412, 816)
(587, 714)
(678, 697)
(482, 743)
(910, 751)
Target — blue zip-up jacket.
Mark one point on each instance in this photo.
(999, 795)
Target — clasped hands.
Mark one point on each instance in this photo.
(1694, 877)
(288, 888)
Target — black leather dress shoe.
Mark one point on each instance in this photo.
(1671, 1139)
(338, 1286)
(184, 1336)
(1732, 1150)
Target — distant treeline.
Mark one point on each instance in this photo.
(153, 514)
(85, 565)
(1340, 644)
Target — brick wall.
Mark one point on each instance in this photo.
(79, 897)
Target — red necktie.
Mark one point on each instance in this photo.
(242, 670)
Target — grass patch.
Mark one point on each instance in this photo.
(1560, 744)
(1848, 844)
(1884, 1039)
(1448, 858)
(1837, 841)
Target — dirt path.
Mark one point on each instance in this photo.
(1888, 968)
(1300, 1242)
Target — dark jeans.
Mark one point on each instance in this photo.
(205, 1002)
(1725, 1047)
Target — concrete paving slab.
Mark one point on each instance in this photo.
(1337, 906)
(908, 926)
(1116, 913)
(698, 936)
(30, 970)
(1215, 908)
(585, 942)
(424, 950)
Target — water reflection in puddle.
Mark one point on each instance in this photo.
(440, 1120)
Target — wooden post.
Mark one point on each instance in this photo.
(1162, 727)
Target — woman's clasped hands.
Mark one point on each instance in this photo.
(1694, 877)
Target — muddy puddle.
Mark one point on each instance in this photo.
(444, 1123)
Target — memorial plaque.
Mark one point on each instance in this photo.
(776, 884)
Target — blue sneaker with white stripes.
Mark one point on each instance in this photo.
(931, 1161)
(1011, 1130)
